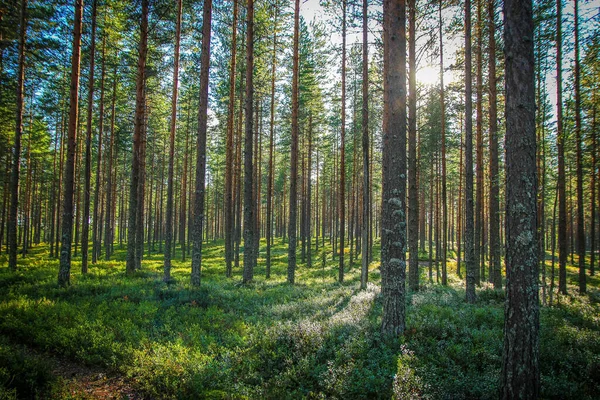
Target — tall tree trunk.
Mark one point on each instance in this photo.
(271, 143)
(560, 141)
(169, 222)
(140, 102)
(579, 161)
(197, 227)
(479, 149)
(97, 226)
(494, 200)
(64, 273)
(108, 227)
(413, 201)
(593, 184)
(443, 150)
(470, 260)
(229, 160)
(520, 366)
(249, 206)
(342, 194)
(16, 157)
(364, 276)
(393, 213)
(291, 271)
(85, 228)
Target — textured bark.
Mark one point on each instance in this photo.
(520, 366)
(342, 193)
(560, 142)
(197, 226)
(108, 227)
(140, 101)
(470, 260)
(169, 219)
(97, 219)
(366, 202)
(64, 272)
(85, 229)
(291, 270)
(271, 144)
(393, 211)
(249, 206)
(478, 261)
(494, 199)
(16, 157)
(229, 181)
(593, 184)
(413, 200)
(579, 160)
(443, 150)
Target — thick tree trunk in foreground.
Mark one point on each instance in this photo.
(64, 272)
(291, 270)
(393, 212)
(197, 226)
(16, 157)
(520, 368)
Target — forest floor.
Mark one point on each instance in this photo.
(112, 336)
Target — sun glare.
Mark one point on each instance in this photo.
(428, 75)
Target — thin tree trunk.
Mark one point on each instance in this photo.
(364, 276)
(579, 161)
(85, 228)
(342, 194)
(478, 262)
(229, 160)
(97, 227)
(470, 260)
(494, 200)
(291, 270)
(169, 222)
(108, 228)
(16, 157)
(271, 144)
(197, 227)
(560, 139)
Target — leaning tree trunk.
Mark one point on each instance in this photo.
(393, 212)
(520, 366)
(64, 273)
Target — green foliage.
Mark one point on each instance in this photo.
(316, 339)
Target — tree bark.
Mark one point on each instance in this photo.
(470, 260)
(140, 102)
(197, 227)
(520, 366)
(342, 194)
(560, 139)
(173, 128)
(16, 157)
(364, 276)
(64, 273)
(393, 213)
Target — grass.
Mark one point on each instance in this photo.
(316, 339)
